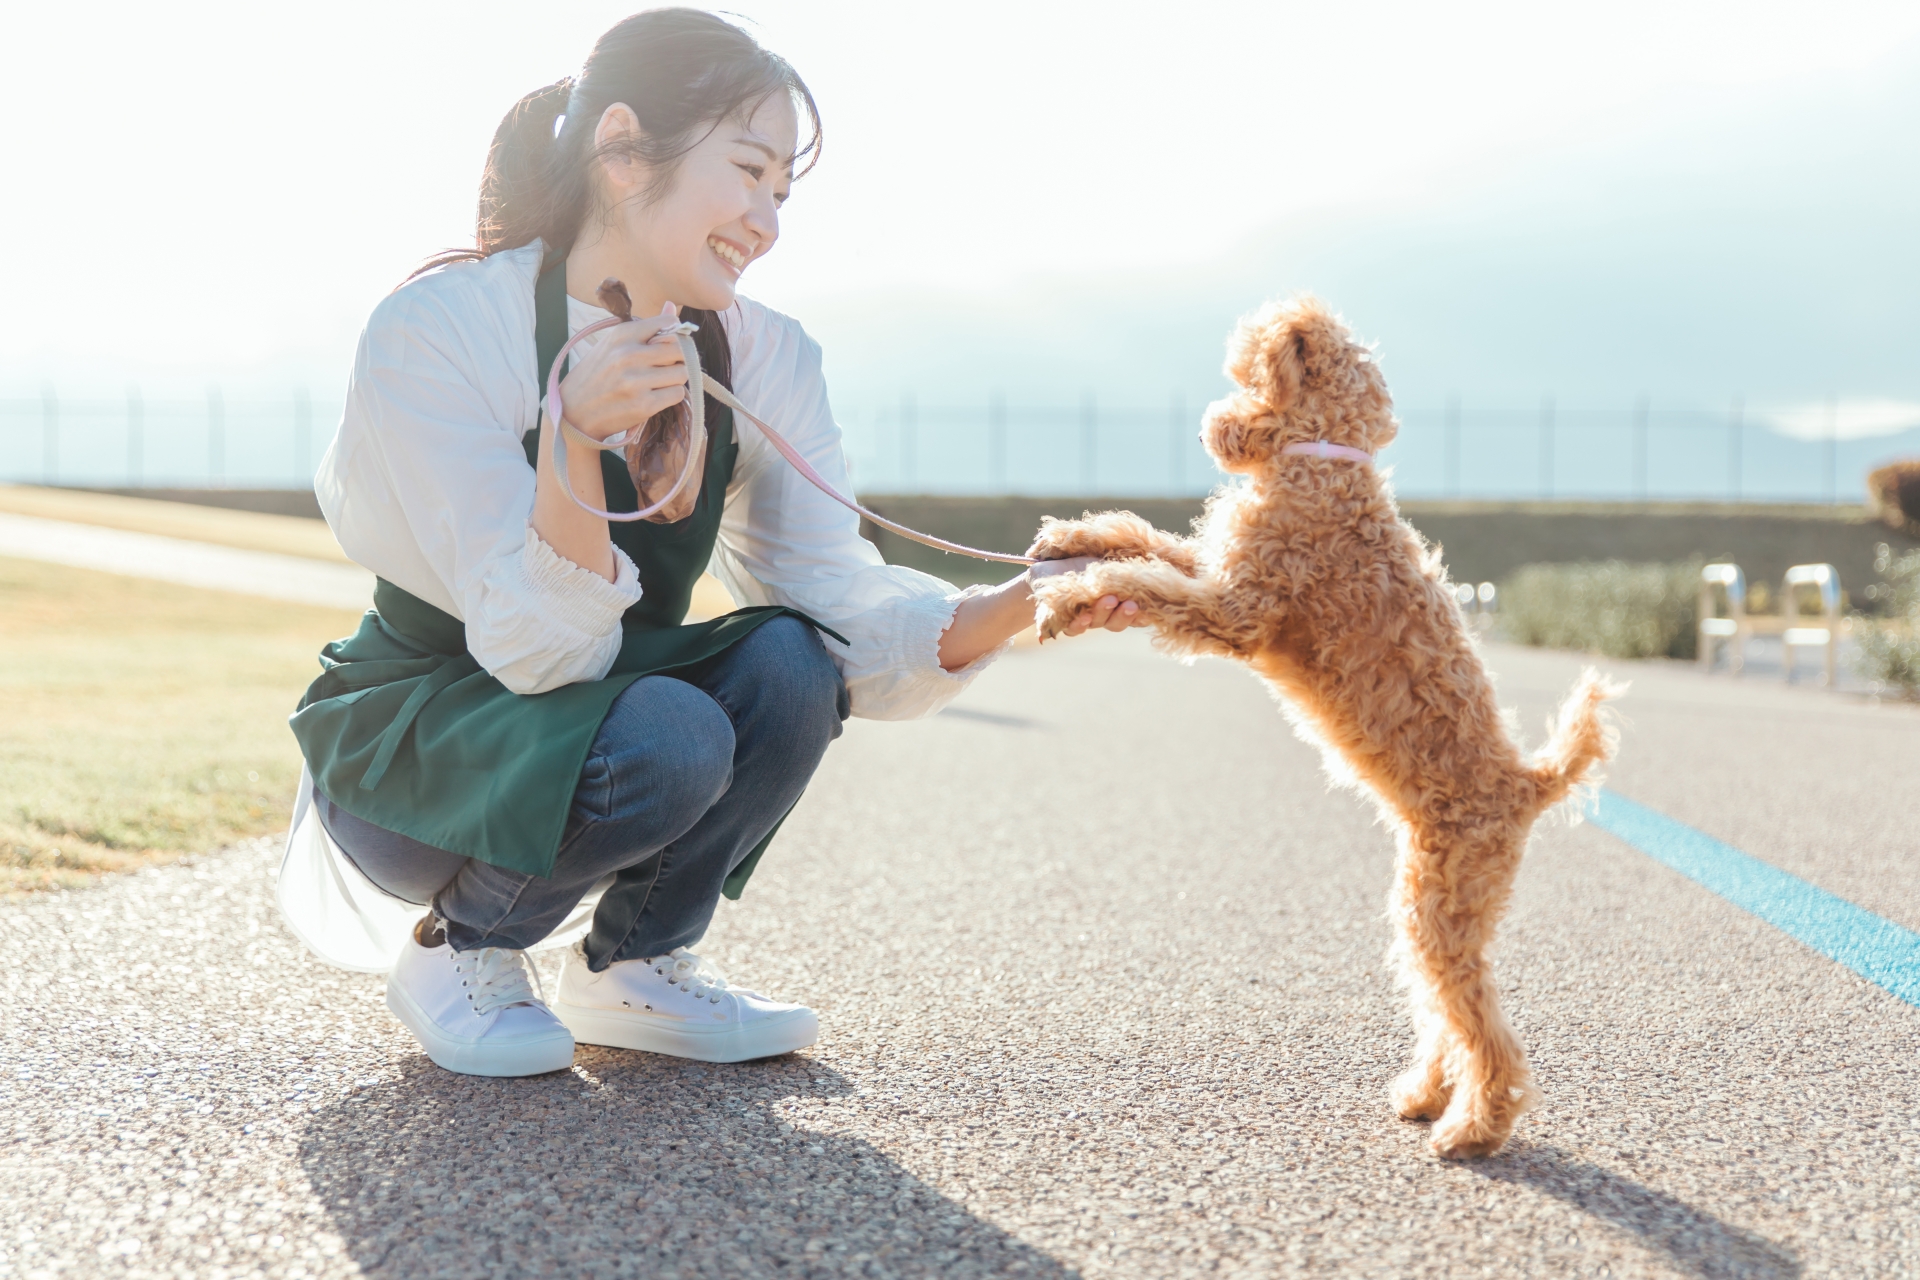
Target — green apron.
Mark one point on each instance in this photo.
(405, 730)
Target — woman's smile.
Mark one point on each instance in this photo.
(730, 253)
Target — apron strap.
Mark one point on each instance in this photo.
(549, 318)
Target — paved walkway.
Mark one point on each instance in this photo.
(298, 579)
(1100, 964)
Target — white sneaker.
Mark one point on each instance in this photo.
(677, 1004)
(475, 1011)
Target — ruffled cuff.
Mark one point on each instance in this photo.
(579, 597)
(921, 624)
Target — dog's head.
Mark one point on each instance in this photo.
(1302, 378)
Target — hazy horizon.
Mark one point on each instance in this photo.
(1685, 205)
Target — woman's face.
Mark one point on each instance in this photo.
(720, 213)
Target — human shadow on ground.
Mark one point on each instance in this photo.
(1691, 1239)
(631, 1165)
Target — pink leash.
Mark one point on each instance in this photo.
(699, 387)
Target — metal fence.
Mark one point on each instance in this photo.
(133, 441)
(1635, 450)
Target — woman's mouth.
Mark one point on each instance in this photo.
(728, 253)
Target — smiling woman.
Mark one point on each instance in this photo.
(527, 722)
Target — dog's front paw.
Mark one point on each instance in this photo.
(1065, 539)
(1057, 601)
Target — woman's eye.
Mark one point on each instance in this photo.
(755, 171)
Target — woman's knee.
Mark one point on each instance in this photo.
(663, 743)
(789, 656)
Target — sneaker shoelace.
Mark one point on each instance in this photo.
(691, 973)
(497, 978)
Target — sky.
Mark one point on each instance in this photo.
(1063, 204)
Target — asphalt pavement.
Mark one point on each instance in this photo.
(1100, 962)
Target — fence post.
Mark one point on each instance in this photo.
(997, 443)
(909, 445)
(50, 434)
(216, 436)
(1642, 408)
(1451, 440)
(136, 416)
(1546, 447)
(1089, 444)
(302, 433)
(1177, 460)
(1833, 449)
(1735, 423)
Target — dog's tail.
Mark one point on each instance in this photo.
(1583, 737)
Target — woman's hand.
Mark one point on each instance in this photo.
(1109, 612)
(983, 622)
(631, 373)
(628, 373)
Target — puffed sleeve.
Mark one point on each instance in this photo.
(428, 485)
(784, 542)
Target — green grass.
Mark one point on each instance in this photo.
(141, 721)
(1610, 607)
(1889, 653)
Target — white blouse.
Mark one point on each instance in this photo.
(427, 485)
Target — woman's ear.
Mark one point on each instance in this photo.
(615, 141)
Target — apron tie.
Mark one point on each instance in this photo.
(454, 669)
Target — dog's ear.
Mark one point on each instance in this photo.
(1238, 432)
(1264, 356)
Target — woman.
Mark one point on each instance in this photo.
(523, 721)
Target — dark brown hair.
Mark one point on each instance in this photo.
(683, 72)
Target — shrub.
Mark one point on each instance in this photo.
(1890, 647)
(1893, 494)
(1611, 607)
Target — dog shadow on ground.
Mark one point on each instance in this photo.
(630, 1164)
(1692, 1240)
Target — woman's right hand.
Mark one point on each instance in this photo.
(627, 374)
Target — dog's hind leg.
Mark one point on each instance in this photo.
(1422, 1091)
(1450, 894)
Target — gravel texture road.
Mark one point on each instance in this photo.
(1100, 962)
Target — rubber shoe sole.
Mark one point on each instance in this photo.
(767, 1038)
(514, 1056)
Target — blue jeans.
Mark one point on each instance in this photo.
(689, 772)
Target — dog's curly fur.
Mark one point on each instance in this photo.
(1306, 573)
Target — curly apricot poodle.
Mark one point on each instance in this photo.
(1306, 573)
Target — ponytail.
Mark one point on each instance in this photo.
(520, 167)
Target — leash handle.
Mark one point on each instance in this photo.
(556, 410)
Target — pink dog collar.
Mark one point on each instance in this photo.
(1322, 449)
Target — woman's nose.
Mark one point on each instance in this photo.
(763, 220)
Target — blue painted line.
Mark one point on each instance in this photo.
(1877, 949)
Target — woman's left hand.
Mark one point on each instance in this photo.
(985, 621)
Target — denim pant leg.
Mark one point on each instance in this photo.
(784, 698)
(687, 774)
(662, 757)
